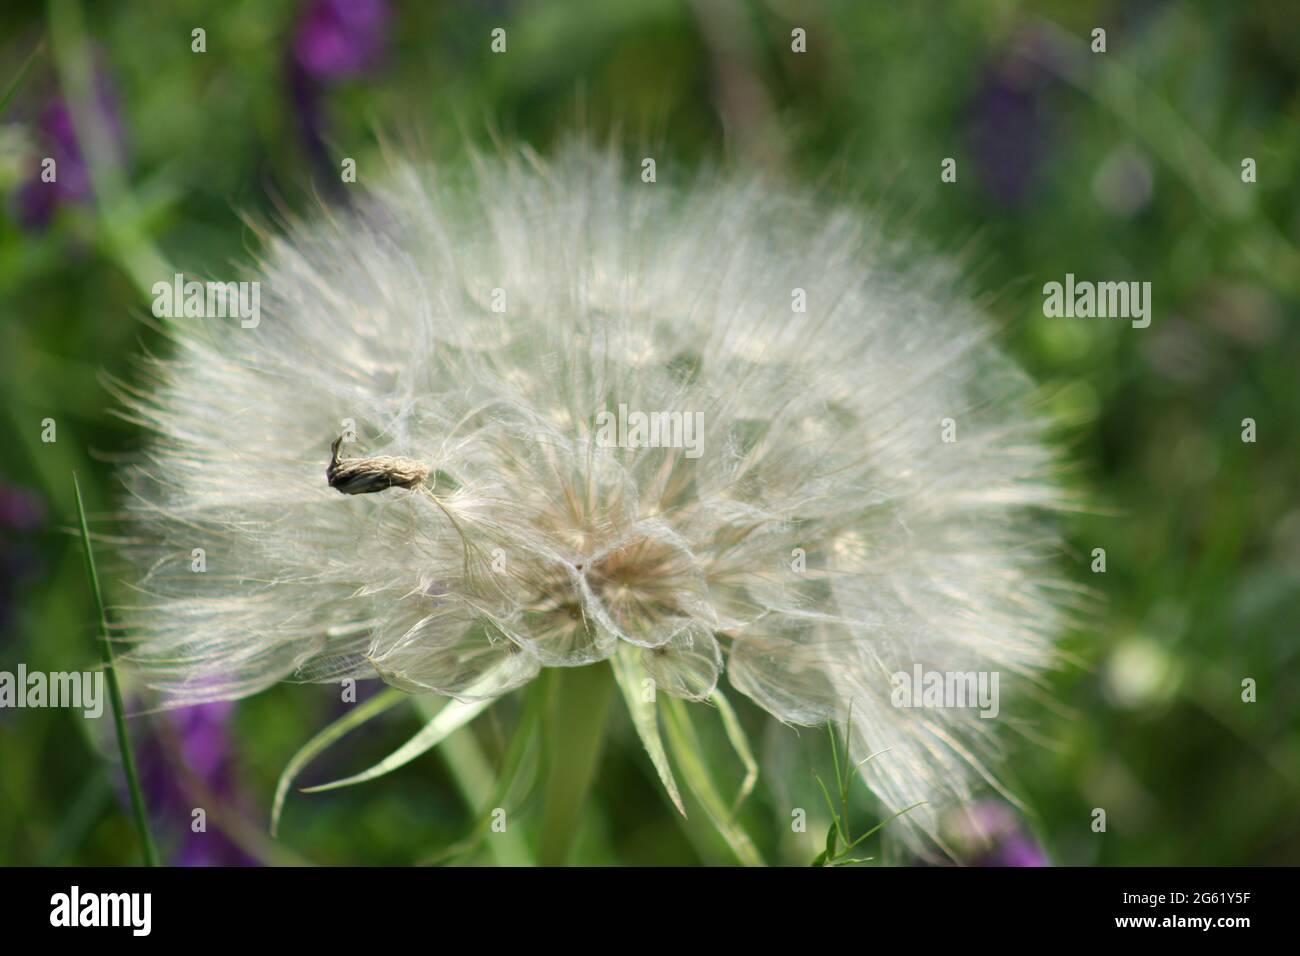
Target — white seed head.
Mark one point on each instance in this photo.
(478, 332)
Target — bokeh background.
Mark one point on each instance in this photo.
(1122, 165)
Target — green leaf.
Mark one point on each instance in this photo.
(454, 715)
(631, 674)
(740, 744)
(688, 751)
(354, 718)
(882, 823)
(827, 855)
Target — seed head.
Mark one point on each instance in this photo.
(528, 351)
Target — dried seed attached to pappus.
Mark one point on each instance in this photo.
(364, 476)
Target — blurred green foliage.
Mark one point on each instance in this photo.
(1122, 165)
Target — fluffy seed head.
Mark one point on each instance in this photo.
(716, 425)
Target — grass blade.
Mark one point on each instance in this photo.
(308, 752)
(454, 715)
(115, 692)
(740, 744)
(22, 75)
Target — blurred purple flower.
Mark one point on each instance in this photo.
(36, 201)
(1006, 123)
(196, 738)
(20, 510)
(333, 39)
(337, 38)
(989, 833)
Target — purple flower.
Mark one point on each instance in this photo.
(187, 759)
(338, 38)
(36, 201)
(20, 510)
(1007, 123)
(333, 39)
(989, 833)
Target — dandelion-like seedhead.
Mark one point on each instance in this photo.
(825, 532)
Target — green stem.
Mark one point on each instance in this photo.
(507, 776)
(576, 728)
(477, 782)
(115, 692)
